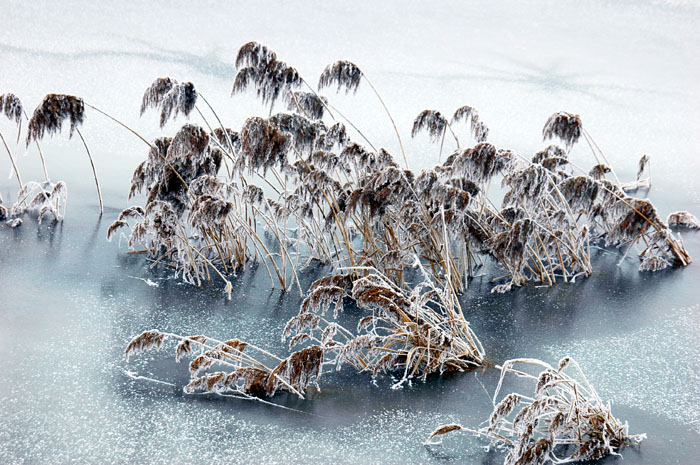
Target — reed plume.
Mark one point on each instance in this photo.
(171, 97)
(258, 67)
(11, 107)
(566, 126)
(479, 130)
(343, 74)
(53, 110)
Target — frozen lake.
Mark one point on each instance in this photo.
(70, 301)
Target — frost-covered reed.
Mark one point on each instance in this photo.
(562, 421)
(416, 332)
(411, 333)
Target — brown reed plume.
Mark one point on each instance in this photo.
(49, 116)
(170, 97)
(479, 130)
(11, 107)
(347, 75)
(258, 67)
(563, 421)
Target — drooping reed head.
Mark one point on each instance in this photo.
(271, 80)
(254, 55)
(52, 112)
(263, 146)
(153, 96)
(343, 74)
(465, 112)
(599, 171)
(549, 152)
(478, 128)
(302, 131)
(565, 126)
(432, 121)
(170, 96)
(11, 106)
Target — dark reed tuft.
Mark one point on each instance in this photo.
(308, 103)
(255, 55)
(171, 97)
(11, 107)
(270, 77)
(565, 126)
(342, 73)
(263, 146)
(432, 121)
(53, 110)
(478, 128)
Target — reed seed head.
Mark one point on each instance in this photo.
(342, 73)
(53, 110)
(565, 126)
(11, 107)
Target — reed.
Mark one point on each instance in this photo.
(414, 332)
(562, 421)
(48, 118)
(250, 371)
(11, 107)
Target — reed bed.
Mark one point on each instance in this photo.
(321, 196)
(563, 421)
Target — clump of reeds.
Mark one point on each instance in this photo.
(563, 420)
(319, 195)
(46, 199)
(413, 332)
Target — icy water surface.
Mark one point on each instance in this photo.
(70, 301)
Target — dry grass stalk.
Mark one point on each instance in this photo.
(563, 421)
